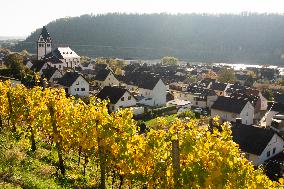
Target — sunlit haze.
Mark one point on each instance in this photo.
(20, 18)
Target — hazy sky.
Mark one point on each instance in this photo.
(21, 17)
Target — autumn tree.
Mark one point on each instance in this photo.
(226, 75)
(170, 60)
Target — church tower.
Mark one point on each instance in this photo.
(44, 43)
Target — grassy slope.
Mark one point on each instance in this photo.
(20, 168)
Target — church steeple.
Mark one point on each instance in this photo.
(44, 43)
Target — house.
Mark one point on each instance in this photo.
(74, 84)
(150, 89)
(274, 109)
(62, 57)
(104, 78)
(38, 66)
(198, 96)
(254, 100)
(153, 92)
(86, 66)
(229, 109)
(51, 74)
(258, 144)
(28, 63)
(118, 97)
(219, 88)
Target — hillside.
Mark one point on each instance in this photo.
(249, 38)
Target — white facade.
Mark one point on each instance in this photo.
(67, 59)
(155, 97)
(274, 147)
(80, 87)
(127, 100)
(247, 114)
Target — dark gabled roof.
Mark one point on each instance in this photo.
(206, 81)
(252, 139)
(236, 88)
(229, 104)
(68, 78)
(111, 93)
(102, 75)
(141, 80)
(54, 54)
(48, 73)
(85, 64)
(53, 57)
(251, 98)
(218, 86)
(44, 33)
(37, 65)
(195, 89)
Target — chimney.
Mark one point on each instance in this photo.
(238, 121)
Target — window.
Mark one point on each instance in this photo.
(77, 83)
(247, 114)
(274, 150)
(48, 45)
(129, 98)
(83, 89)
(268, 154)
(122, 99)
(78, 89)
(59, 66)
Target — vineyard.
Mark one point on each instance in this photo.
(110, 150)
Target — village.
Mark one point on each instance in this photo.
(252, 99)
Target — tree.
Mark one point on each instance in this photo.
(170, 60)
(226, 75)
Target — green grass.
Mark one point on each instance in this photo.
(153, 122)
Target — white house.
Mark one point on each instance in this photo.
(62, 57)
(74, 84)
(118, 97)
(153, 92)
(258, 144)
(104, 78)
(231, 108)
(51, 74)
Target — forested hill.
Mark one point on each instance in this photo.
(250, 38)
